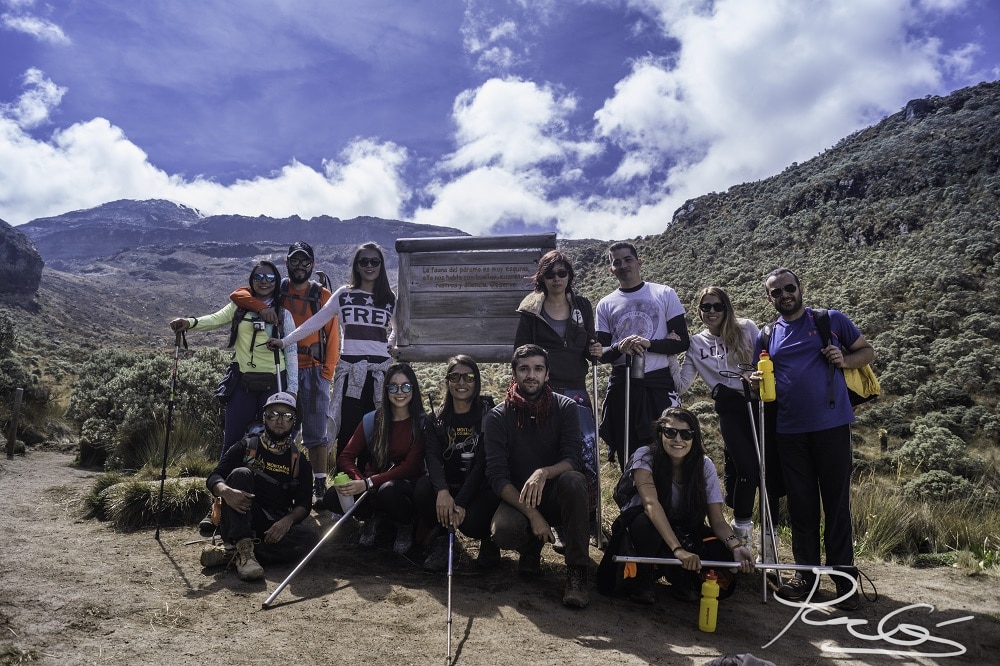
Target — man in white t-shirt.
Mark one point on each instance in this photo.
(639, 319)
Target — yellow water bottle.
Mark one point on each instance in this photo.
(708, 612)
(766, 367)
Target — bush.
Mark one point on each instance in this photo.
(936, 448)
(937, 485)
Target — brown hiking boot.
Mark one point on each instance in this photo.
(576, 595)
(217, 555)
(247, 567)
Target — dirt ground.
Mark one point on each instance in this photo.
(75, 591)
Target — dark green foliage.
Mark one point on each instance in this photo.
(936, 448)
(131, 503)
(121, 398)
(14, 373)
(937, 485)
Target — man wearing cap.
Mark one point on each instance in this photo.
(264, 484)
(317, 355)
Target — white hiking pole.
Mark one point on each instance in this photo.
(602, 542)
(451, 554)
(309, 556)
(628, 409)
(718, 564)
(277, 370)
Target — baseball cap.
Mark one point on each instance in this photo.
(281, 398)
(301, 246)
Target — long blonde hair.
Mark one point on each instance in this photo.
(737, 344)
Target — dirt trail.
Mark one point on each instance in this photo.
(74, 591)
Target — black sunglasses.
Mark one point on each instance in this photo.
(396, 388)
(456, 377)
(708, 307)
(365, 262)
(670, 433)
(551, 275)
(265, 277)
(300, 263)
(790, 288)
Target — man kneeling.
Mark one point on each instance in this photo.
(266, 490)
(533, 445)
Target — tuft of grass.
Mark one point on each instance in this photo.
(144, 451)
(883, 521)
(96, 500)
(15, 655)
(132, 503)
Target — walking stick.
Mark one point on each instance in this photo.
(277, 370)
(309, 556)
(602, 542)
(628, 409)
(718, 564)
(766, 522)
(451, 553)
(170, 417)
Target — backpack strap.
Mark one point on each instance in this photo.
(821, 318)
(312, 297)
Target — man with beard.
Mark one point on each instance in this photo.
(643, 321)
(533, 464)
(813, 431)
(264, 484)
(317, 353)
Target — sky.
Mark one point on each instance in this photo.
(591, 118)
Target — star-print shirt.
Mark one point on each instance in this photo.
(365, 325)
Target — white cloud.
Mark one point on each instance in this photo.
(38, 28)
(93, 162)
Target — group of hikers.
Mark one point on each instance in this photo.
(520, 472)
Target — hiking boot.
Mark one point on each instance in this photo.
(489, 554)
(643, 591)
(404, 538)
(530, 562)
(685, 590)
(437, 560)
(576, 595)
(557, 543)
(217, 555)
(206, 527)
(368, 533)
(319, 493)
(849, 588)
(247, 567)
(795, 588)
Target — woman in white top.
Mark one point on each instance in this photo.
(366, 312)
(726, 342)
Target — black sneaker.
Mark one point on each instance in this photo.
(319, 493)
(437, 559)
(206, 527)
(796, 588)
(489, 555)
(850, 588)
(530, 562)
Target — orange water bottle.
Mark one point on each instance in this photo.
(766, 367)
(708, 612)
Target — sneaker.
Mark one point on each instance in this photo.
(557, 543)
(217, 555)
(247, 567)
(206, 527)
(437, 560)
(849, 588)
(576, 595)
(404, 538)
(530, 562)
(489, 554)
(368, 533)
(795, 588)
(319, 493)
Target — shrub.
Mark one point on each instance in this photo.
(937, 485)
(936, 448)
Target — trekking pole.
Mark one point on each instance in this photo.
(767, 531)
(718, 564)
(170, 416)
(309, 555)
(451, 554)
(277, 370)
(628, 408)
(601, 541)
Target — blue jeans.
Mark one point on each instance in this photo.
(314, 403)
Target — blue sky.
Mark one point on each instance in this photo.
(596, 118)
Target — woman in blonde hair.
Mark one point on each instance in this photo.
(726, 342)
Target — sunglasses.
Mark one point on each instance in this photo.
(790, 288)
(456, 377)
(365, 262)
(275, 416)
(708, 307)
(396, 388)
(300, 263)
(269, 278)
(670, 433)
(551, 275)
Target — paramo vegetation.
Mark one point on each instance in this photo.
(897, 225)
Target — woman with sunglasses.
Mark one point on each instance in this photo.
(250, 381)
(677, 489)
(366, 311)
(562, 323)
(385, 456)
(726, 343)
(454, 493)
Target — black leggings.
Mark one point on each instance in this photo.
(478, 514)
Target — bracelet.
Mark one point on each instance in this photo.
(674, 551)
(194, 323)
